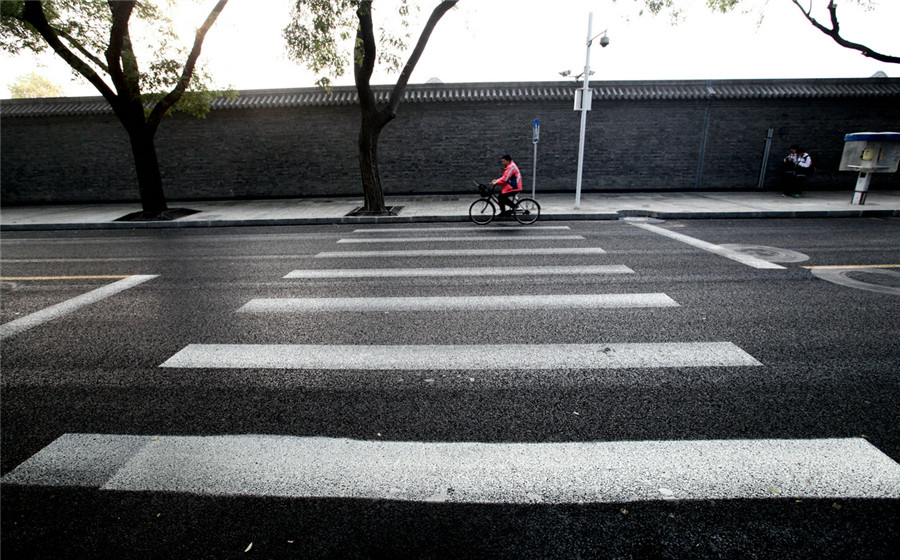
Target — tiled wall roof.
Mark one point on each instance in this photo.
(487, 92)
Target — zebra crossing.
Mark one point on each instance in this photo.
(459, 357)
(469, 472)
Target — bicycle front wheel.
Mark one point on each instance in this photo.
(482, 211)
(527, 211)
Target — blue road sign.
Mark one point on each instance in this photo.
(537, 130)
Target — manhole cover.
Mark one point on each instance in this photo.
(769, 254)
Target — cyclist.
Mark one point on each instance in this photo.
(510, 184)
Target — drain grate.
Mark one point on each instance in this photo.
(166, 215)
(391, 211)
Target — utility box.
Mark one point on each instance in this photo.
(583, 103)
(867, 153)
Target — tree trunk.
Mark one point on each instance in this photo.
(143, 147)
(369, 132)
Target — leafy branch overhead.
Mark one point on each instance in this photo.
(323, 35)
(94, 37)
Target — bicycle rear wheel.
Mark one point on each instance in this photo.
(527, 211)
(482, 211)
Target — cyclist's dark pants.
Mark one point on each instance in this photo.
(506, 200)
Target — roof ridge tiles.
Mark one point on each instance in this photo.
(498, 92)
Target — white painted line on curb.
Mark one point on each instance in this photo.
(469, 238)
(24, 323)
(461, 357)
(463, 303)
(841, 277)
(464, 253)
(466, 472)
(472, 228)
(473, 271)
(717, 249)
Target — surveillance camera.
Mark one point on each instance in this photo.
(604, 41)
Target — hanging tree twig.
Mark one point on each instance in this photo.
(835, 33)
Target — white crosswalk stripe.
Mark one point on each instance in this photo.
(466, 472)
(513, 252)
(461, 357)
(469, 303)
(461, 239)
(457, 271)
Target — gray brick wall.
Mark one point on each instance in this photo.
(439, 147)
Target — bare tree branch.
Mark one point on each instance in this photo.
(80, 48)
(403, 80)
(835, 33)
(166, 103)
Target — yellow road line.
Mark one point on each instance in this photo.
(11, 278)
(835, 267)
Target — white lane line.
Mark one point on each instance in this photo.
(194, 258)
(473, 271)
(461, 357)
(468, 238)
(24, 323)
(464, 253)
(464, 303)
(467, 472)
(473, 228)
(742, 258)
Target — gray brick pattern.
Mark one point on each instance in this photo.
(642, 136)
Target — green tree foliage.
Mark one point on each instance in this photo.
(94, 37)
(33, 85)
(332, 36)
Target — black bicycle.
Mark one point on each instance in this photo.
(482, 211)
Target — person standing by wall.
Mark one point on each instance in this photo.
(797, 166)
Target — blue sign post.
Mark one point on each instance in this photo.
(537, 135)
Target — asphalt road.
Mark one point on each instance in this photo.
(823, 342)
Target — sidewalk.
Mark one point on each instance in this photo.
(454, 208)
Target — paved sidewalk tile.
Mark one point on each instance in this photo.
(454, 208)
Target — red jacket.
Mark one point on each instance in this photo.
(511, 180)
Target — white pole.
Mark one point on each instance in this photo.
(862, 188)
(534, 173)
(584, 104)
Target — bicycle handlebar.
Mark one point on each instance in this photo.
(484, 190)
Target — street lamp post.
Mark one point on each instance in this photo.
(585, 104)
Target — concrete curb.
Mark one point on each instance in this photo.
(599, 216)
